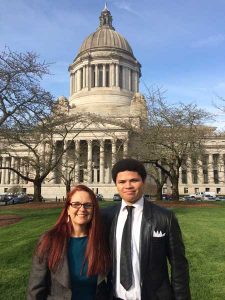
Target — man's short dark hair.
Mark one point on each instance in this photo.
(129, 164)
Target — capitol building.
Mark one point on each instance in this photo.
(104, 81)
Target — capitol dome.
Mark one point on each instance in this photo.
(104, 75)
(105, 37)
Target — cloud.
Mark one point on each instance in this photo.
(126, 6)
(211, 41)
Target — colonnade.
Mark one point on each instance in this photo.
(6, 175)
(94, 159)
(104, 75)
(208, 171)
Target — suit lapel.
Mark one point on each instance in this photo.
(113, 237)
(145, 238)
(62, 275)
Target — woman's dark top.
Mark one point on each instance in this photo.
(83, 287)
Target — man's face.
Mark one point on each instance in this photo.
(130, 186)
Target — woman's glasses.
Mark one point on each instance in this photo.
(78, 205)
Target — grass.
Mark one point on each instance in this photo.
(203, 232)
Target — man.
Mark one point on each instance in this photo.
(143, 237)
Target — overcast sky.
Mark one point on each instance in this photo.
(180, 44)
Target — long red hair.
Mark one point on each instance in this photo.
(55, 241)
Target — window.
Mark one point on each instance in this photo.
(216, 176)
(215, 160)
(185, 190)
(194, 176)
(164, 190)
(184, 176)
(205, 159)
(205, 176)
(121, 77)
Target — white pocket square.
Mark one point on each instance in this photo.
(158, 234)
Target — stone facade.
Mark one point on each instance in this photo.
(104, 80)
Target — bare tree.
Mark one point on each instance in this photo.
(173, 133)
(36, 149)
(22, 99)
(159, 178)
(67, 166)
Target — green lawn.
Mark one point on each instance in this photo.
(203, 231)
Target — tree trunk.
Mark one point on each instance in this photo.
(37, 191)
(159, 192)
(68, 184)
(175, 188)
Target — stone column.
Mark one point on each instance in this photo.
(89, 162)
(96, 75)
(124, 73)
(189, 172)
(7, 181)
(103, 75)
(221, 169)
(129, 79)
(111, 76)
(113, 151)
(3, 170)
(22, 169)
(84, 77)
(78, 80)
(89, 77)
(64, 159)
(51, 175)
(102, 161)
(12, 174)
(75, 81)
(19, 168)
(210, 169)
(125, 148)
(117, 75)
(77, 162)
(200, 172)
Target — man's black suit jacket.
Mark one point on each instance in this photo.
(156, 282)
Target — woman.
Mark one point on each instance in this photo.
(71, 260)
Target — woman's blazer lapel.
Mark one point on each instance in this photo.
(62, 275)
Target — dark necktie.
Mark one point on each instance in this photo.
(126, 270)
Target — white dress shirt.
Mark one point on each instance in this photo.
(134, 293)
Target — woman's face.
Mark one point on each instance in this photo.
(80, 209)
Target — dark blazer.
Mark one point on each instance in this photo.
(155, 252)
(44, 284)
